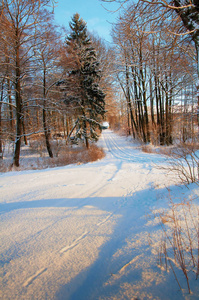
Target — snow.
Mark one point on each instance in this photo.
(87, 231)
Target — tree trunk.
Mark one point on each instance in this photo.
(161, 114)
(1, 143)
(151, 103)
(24, 132)
(18, 109)
(128, 98)
(46, 132)
(142, 121)
(45, 127)
(10, 106)
(87, 143)
(85, 133)
(168, 113)
(146, 119)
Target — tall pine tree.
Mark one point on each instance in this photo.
(84, 76)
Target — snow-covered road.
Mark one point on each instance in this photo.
(80, 232)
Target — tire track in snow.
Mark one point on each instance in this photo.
(87, 200)
(122, 269)
(116, 276)
(116, 150)
(34, 277)
(85, 197)
(85, 234)
(82, 202)
(124, 151)
(75, 243)
(105, 220)
(119, 154)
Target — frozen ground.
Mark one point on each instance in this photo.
(82, 231)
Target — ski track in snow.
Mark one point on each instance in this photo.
(78, 232)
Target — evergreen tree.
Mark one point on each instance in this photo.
(84, 76)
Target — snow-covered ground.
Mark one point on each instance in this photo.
(82, 231)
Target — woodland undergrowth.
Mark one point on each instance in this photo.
(34, 156)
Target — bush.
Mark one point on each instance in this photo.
(184, 161)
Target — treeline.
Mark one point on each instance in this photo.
(157, 71)
(50, 82)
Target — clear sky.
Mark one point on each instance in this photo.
(98, 18)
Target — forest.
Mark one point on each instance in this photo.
(57, 85)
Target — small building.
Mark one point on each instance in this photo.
(105, 125)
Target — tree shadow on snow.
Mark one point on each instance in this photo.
(89, 284)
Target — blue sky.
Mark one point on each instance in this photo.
(98, 19)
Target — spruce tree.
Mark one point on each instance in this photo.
(87, 97)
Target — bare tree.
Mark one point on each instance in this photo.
(150, 71)
(188, 13)
(48, 73)
(21, 19)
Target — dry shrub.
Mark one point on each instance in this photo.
(92, 154)
(177, 149)
(166, 150)
(163, 150)
(147, 149)
(4, 167)
(77, 156)
(182, 159)
(57, 146)
(179, 245)
(67, 155)
(184, 162)
(38, 144)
